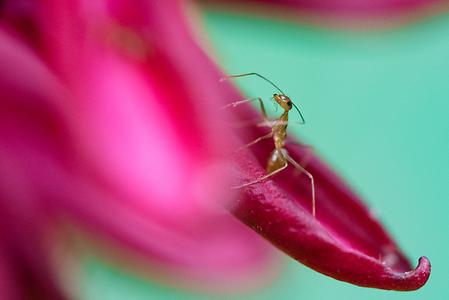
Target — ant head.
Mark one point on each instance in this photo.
(283, 101)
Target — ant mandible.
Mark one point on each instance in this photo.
(279, 158)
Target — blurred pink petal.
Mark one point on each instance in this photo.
(106, 145)
(26, 267)
(353, 8)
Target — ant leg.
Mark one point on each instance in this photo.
(305, 160)
(267, 136)
(248, 123)
(260, 179)
(312, 182)
(309, 150)
(265, 122)
(237, 103)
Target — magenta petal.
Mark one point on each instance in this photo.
(25, 259)
(344, 241)
(351, 8)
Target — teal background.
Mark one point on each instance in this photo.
(377, 109)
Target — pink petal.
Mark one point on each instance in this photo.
(346, 8)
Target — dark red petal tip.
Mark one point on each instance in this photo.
(344, 241)
(418, 277)
(410, 280)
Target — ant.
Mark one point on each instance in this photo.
(279, 158)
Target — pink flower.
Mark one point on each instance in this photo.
(109, 121)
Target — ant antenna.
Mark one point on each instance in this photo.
(300, 114)
(270, 82)
(255, 74)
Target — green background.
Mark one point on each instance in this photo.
(377, 109)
